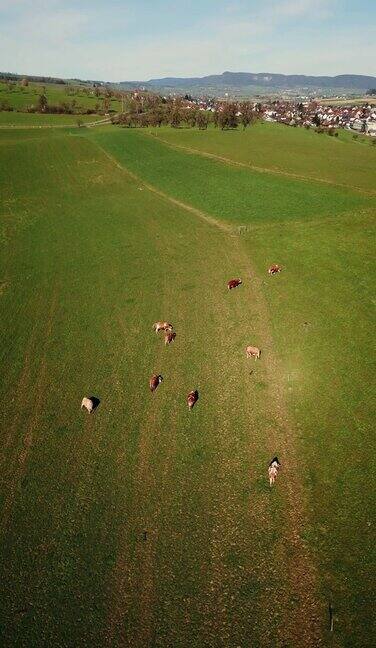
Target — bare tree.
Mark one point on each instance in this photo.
(202, 119)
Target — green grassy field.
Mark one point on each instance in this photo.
(104, 232)
(349, 102)
(20, 98)
(341, 160)
(30, 120)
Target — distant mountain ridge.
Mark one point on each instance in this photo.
(262, 80)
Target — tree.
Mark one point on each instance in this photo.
(160, 116)
(247, 116)
(222, 119)
(191, 117)
(230, 111)
(123, 120)
(202, 119)
(227, 116)
(154, 118)
(176, 117)
(42, 103)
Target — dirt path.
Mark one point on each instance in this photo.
(253, 167)
(302, 621)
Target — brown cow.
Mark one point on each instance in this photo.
(233, 283)
(274, 466)
(154, 382)
(252, 352)
(169, 337)
(162, 326)
(192, 398)
(274, 268)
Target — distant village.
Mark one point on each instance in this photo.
(309, 113)
(313, 114)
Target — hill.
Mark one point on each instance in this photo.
(247, 83)
(235, 83)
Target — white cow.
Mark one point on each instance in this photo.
(273, 470)
(88, 404)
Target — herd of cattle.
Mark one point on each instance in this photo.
(90, 403)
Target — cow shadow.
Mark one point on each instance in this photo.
(95, 402)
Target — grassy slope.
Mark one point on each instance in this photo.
(20, 98)
(294, 150)
(234, 194)
(322, 311)
(33, 119)
(89, 262)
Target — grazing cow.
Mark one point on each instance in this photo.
(274, 268)
(253, 352)
(169, 337)
(192, 398)
(233, 283)
(154, 382)
(88, 404)
(273, 470)
(162, 326)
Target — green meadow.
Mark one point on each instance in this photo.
(21, 98)
(35, 120)
(144, 524)
(343, 160)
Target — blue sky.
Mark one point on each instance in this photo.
(138, 40)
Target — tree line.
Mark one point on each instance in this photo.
(151, 110)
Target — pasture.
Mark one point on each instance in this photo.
(21, 98)
(144, 524)
(285, 150)
(35, 120)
